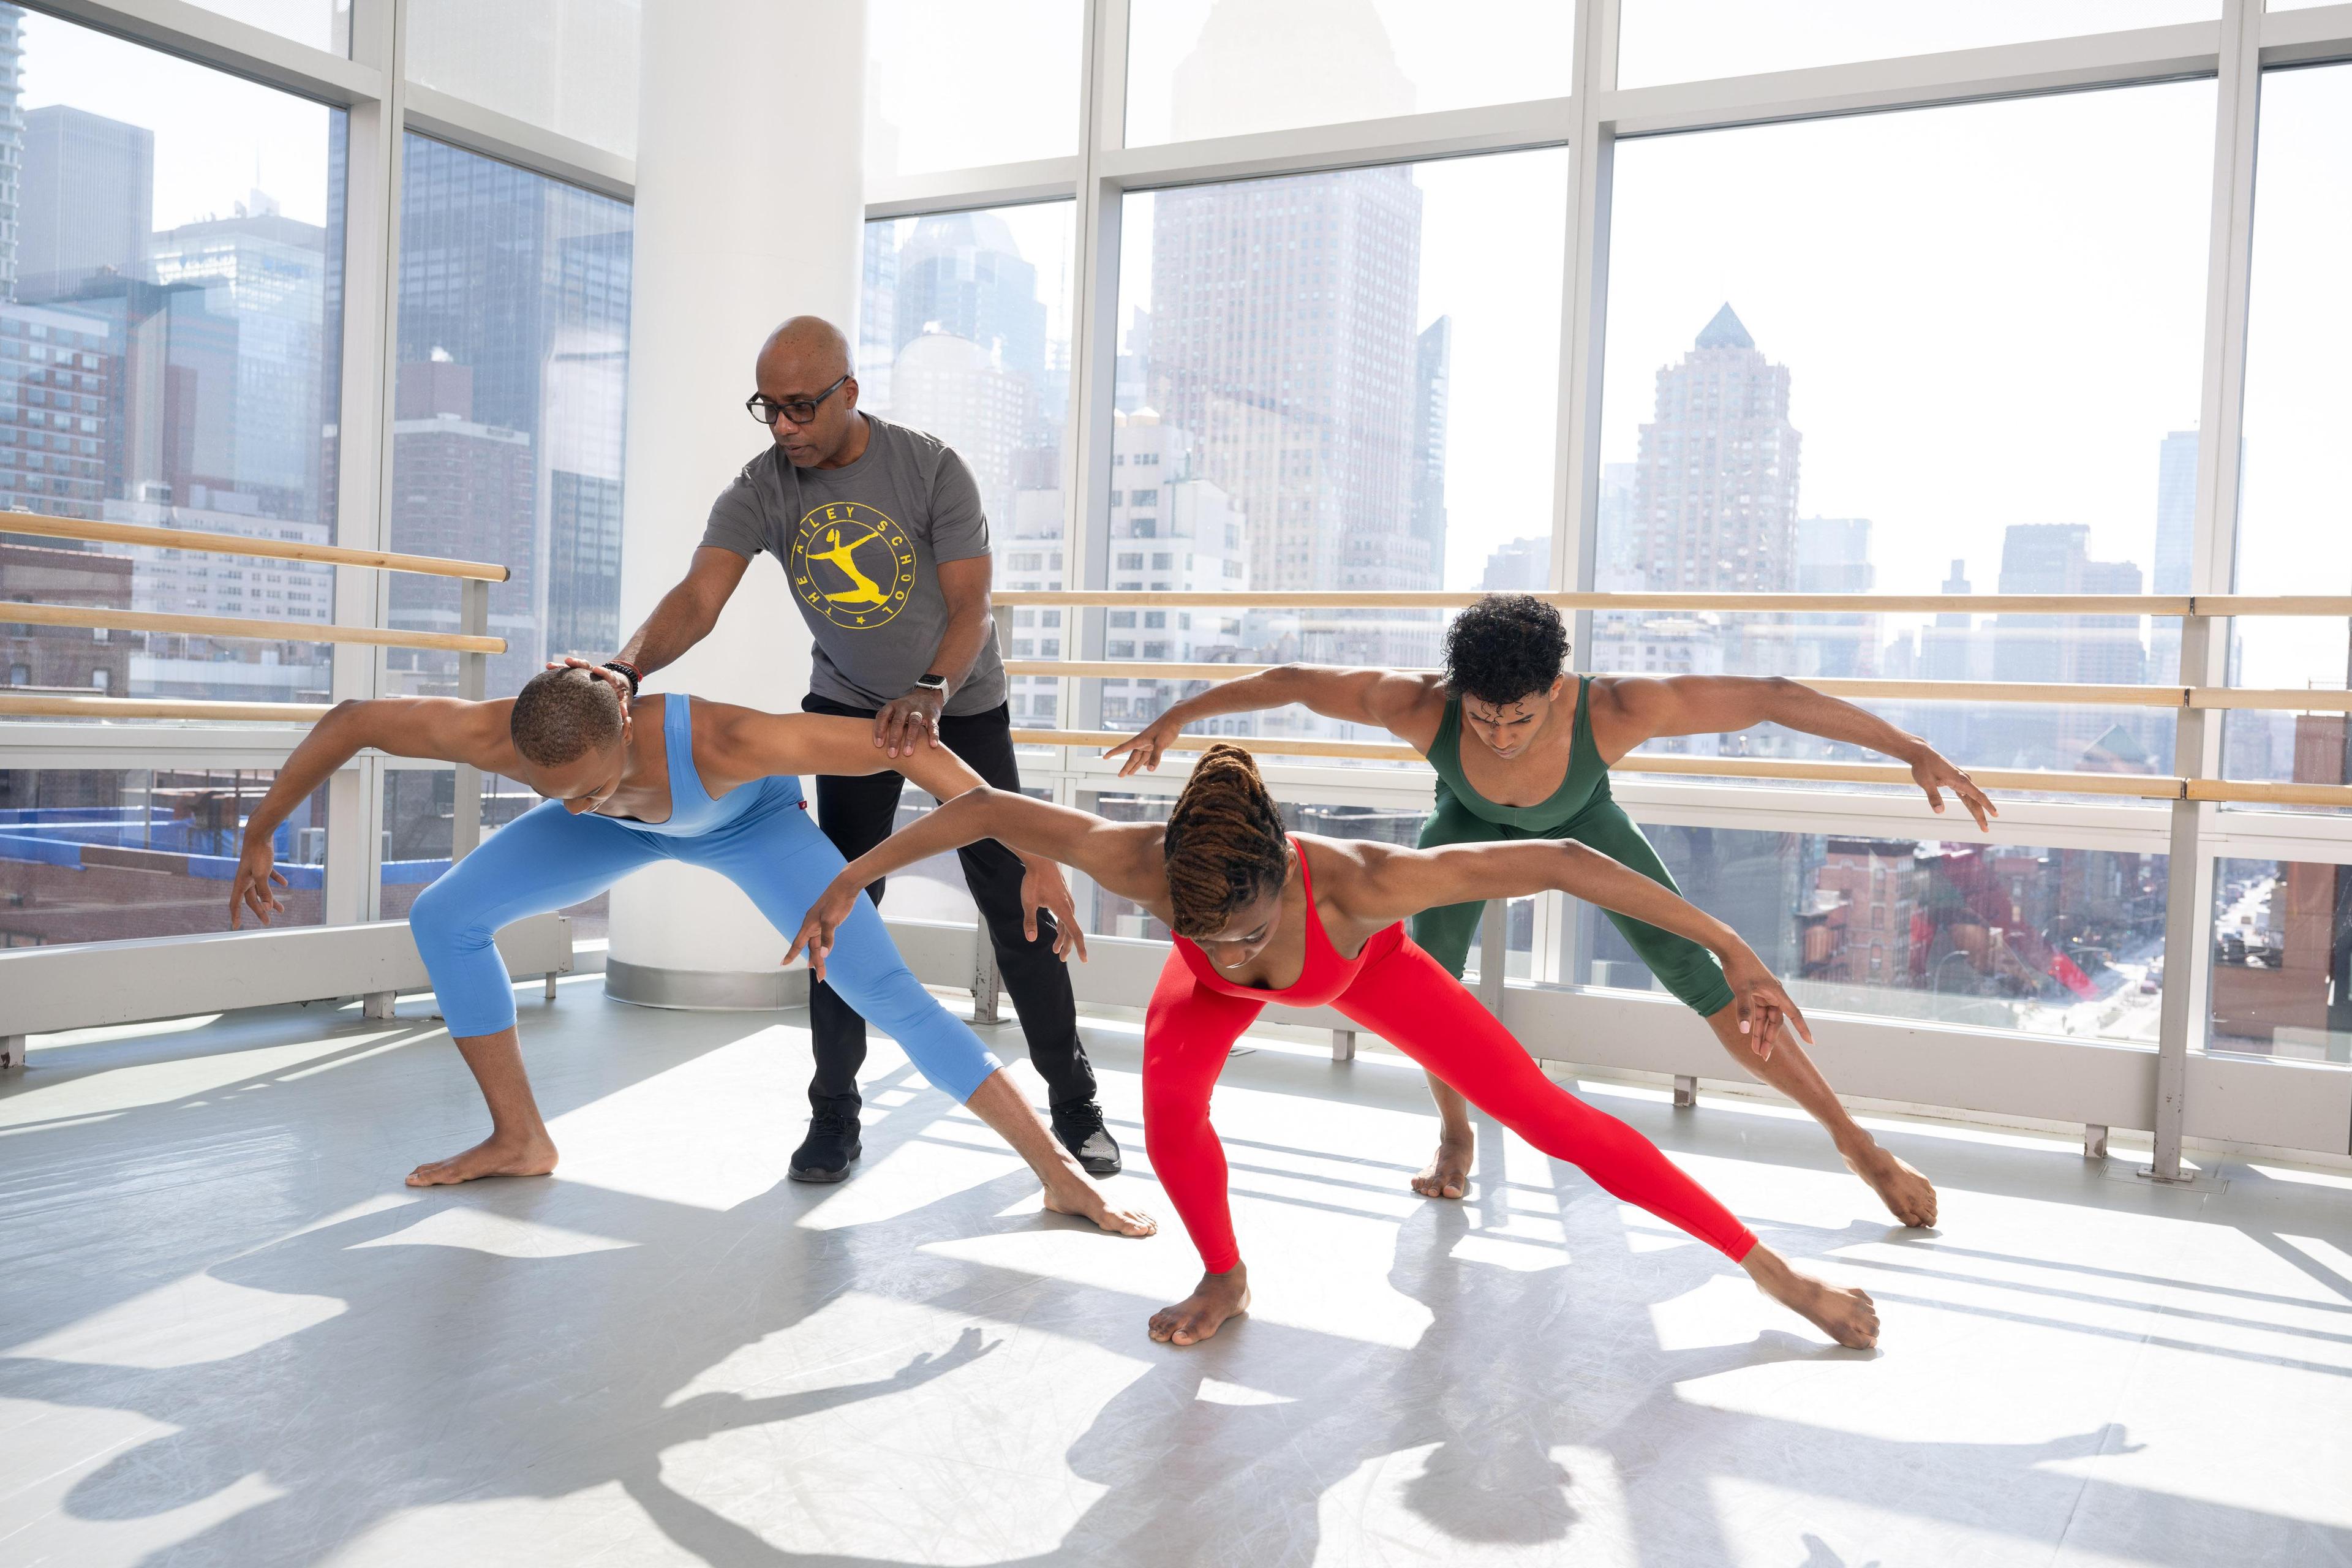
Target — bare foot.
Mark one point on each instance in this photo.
(1908, 1196)
(1074, 1194)
(1846, 1314)
(1447, 1174)
(1199, 1315)
(529, 1155)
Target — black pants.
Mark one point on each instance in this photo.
(857, 813)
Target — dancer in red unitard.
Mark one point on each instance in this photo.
(1261, 915)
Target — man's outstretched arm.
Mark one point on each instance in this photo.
(1392, 699)
(474, 734)
(1627, 710)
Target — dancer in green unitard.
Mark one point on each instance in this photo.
(1538, 768)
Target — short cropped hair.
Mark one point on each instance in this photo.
(561, 715)
(1505, 648)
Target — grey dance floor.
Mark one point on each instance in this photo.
(229, 1335)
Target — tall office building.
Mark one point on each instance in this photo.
(964, 393)
(1517, 566)
(265, 274)
(2054, 558)
(1286, 338)
(1431, 407)
(85, 202)
(1833, 557)
(1714, 488)
(2176, 528)
(962, 273)
(524, 284)
(877, 314)
(12, 142)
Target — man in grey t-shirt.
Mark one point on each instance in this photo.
(884, 546)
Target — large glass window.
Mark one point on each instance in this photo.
(1691, 40)
(1223, 67)
(1983, 377)
(513, 345)
(568, 65)
(2051, 942)
(102, 855)
(2294, 527)
(964, 331)
(170, 257)
(1331, 381)
(951, 85)
(2283, 959)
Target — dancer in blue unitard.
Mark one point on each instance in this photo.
(704, 783)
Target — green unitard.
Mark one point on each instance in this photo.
(1581, 809)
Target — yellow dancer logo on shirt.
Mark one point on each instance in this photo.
(852, 564)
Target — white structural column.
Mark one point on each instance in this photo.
(749, 208)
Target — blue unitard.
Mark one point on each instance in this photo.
(759, 836)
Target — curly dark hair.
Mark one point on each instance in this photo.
(1224, 843)
(1505, 648)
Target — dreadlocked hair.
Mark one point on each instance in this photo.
(1225, 842)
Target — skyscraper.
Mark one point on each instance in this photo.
(962, 273)
(85, 200)
(1714, 488)
(523, 283)
(1833, 557)
(2054, 558)
(12, 142)
(877, 314)
(2176, 528)
(1432, 401)
(951, 388)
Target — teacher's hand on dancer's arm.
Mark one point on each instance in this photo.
(1387, 698)
(439, 727)
(913, 720)
(1627, 711)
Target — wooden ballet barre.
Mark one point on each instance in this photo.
(2141, 786)
(242, 627)
(2133, 605)
(44, 527)
(54, 705)
(2054, 693)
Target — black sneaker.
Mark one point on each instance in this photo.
(1080, 1128)
(828, 1151)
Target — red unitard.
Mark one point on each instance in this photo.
(1403, 996)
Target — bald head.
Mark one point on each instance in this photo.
(806, 361)
(809, 343)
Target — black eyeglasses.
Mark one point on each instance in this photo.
(798, 410)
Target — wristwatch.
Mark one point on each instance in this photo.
(930, 682)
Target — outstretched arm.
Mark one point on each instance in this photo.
(1627, 711)
(683, 617)
(1405, 881)
(1410, 705)
(1122, 856)
(471, 732)
(750, 744)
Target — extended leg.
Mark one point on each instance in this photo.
(1907, 1195)
(1691, 973)
(1428, 1015)
(1187, 1031)
(784, 863)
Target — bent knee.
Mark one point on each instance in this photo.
(441, 923)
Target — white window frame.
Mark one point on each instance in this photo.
(2234, 49)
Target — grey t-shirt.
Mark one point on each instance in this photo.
(861, 546)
